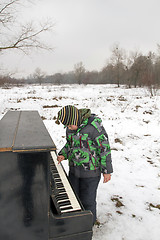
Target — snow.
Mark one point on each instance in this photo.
(127, 205)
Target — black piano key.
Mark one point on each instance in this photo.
(56, 175)
(62, 196)
(61, 190)
(57, 180)
(59, 185)
(64, 203)
(65, 208)
(52, 166)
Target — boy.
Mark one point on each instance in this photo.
(88, 152)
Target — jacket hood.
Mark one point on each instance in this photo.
(84, 113)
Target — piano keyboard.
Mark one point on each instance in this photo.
(65, 199)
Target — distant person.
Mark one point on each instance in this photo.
(88, 152)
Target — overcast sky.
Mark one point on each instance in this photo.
(85, 30)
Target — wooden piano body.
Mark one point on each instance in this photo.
(31, 206)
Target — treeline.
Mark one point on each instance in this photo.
(136, 69)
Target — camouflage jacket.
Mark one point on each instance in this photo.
(87, 149)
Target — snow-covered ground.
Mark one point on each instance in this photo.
(129, 205)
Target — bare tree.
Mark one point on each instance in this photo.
(39, 75)
(157, 67)
(79, 71)
(158, 50)
(117, 57)
(107, 74)
(27, 37)
(58, 78)
(129, 60)
(136, 67)
(128, 65)
(149, 77)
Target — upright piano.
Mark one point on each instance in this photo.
(37, 201)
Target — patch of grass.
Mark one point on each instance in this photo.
(114, 149)
(43, 118)
(108, 99)
(146, 121)
(55, 98)
(119, 212)
(137, 107)
(151, 205)
(149, 161)
(140, 186)
(117, 200)
(52, 106)
(14, 109)
(148, 112)
(117, 140)
(34, 98)
(121, 98)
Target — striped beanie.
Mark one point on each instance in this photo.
(69, 115)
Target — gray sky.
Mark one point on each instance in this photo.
(85, 30)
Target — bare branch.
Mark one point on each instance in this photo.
(28, 36)
(7, 11)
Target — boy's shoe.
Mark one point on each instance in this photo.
(97, 223)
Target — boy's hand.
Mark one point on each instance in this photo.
(60, 158)
(107, 177)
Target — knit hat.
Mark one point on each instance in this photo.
(69, 115)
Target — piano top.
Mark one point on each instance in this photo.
(23, 131)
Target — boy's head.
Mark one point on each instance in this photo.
(69, 115)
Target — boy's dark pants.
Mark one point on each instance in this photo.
(86, 189)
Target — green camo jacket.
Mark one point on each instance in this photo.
(88, 149)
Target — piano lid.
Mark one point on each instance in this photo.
(22, 131)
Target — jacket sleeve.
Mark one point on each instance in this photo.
(64, 151)
(101, 140)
